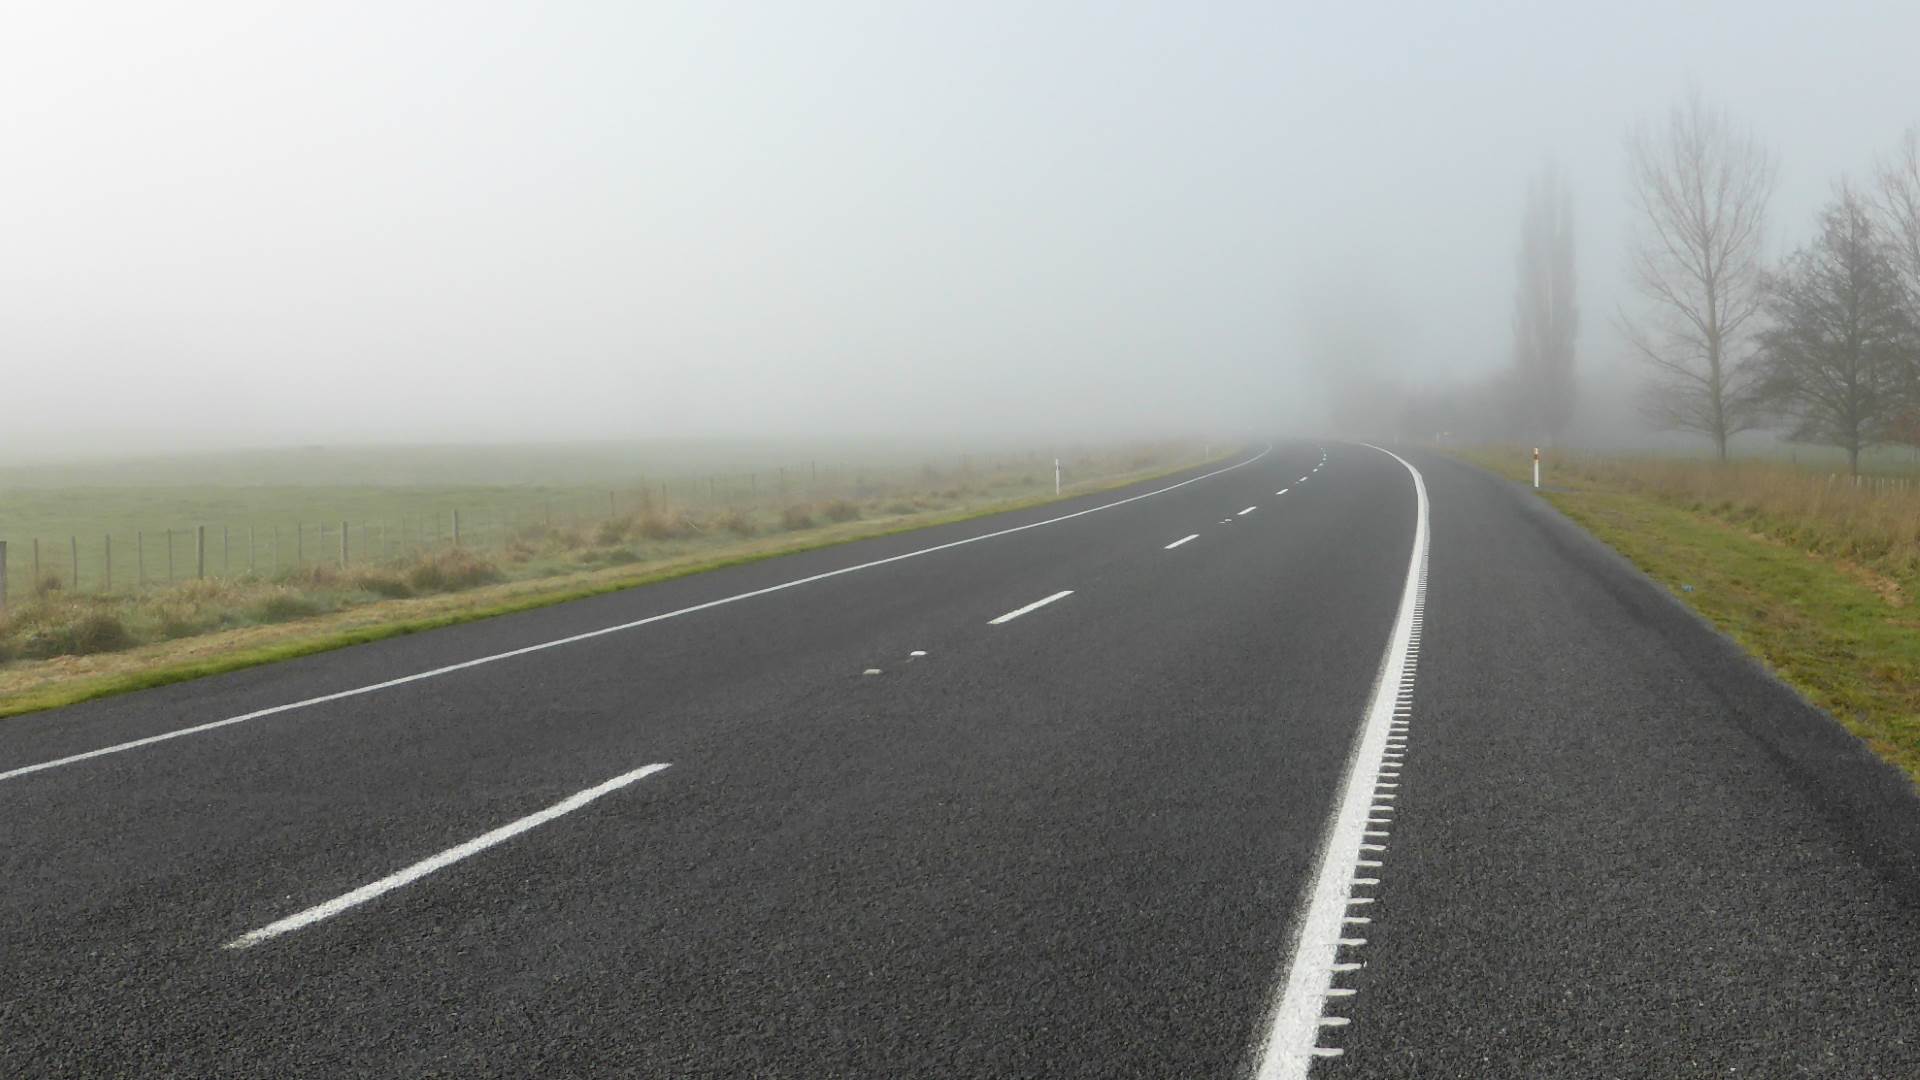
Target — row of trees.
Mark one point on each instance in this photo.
(1825, 346)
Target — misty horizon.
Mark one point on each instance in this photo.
(233, 227)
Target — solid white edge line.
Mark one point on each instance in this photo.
(1247, 511)
(1182, 540)
(1289, 1048)
(436, 862)
(257, 714)
(1017, 612)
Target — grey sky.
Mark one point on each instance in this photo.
(247, 223)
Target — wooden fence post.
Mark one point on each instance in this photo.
(140, 556)
(343, 545)
(226, 552)
(456, 528)
(200, 551)
(106, 579)
(36, 566)
(73, 560)
(253, 554)
(169, 556)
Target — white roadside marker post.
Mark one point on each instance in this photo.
(1536, 468)
(1056, 476)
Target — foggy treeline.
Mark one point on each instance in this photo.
(1819, 346)
(921, 225)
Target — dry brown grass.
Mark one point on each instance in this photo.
(1875, 523)
(737, 522)
(61, 626)
(281, 604)
(451, 570)
(57, 623)
(382, 581)
(664, 523)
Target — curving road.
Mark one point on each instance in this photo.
(1192, 779)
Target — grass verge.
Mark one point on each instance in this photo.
(36, 685)
(1818, 586)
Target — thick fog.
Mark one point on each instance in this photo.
(245, 223)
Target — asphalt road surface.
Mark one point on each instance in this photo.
(1396, 774)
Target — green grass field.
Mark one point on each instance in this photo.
(270, 512)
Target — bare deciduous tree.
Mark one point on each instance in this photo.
(1836, 356)
(1701, 188)
(1545, 319)
(1897, 204)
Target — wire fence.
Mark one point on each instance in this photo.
(395, 526)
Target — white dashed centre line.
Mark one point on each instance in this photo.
(1302, 480)
(1283, 491)
(436, 862)
(1248, 510)
(1017, 612)
(1182, 540)
(525, 650)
